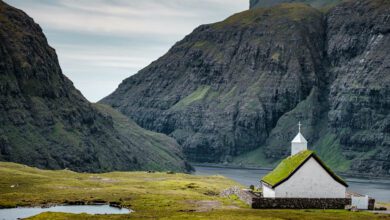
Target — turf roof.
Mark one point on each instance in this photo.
(291, 164)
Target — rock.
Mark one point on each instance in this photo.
(222, 89)
(47, 123)
(234, 91)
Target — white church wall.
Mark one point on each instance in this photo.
(311, 181)
(268, 192)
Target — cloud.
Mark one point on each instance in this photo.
(118, 36)
(169, 17)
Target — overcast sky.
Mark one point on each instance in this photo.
(101, 42)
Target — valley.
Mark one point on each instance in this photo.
(229, 96)
(156, 195)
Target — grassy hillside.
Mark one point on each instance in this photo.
(150, 195)
(153, 151)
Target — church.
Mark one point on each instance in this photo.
(302, 175)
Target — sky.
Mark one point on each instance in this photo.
(99, 43)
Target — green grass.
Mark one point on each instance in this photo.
(255, 158)
(142, 191)
(319, 4)
(197, 95)
(153, 150)
(151, 195)
(69, 137)
(293, 11)
(328, 148)
(59, 146)
(202, 44)
(209, 47)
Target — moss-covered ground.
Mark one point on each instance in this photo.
(197, 95)
(150, 195)
(295, 12)
(286, 167)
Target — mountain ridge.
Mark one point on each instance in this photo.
(47, 123)
(320, 4)
(239, 87)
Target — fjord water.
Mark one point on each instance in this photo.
(375, 188)
(24, 212)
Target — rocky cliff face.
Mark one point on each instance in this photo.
(222, 89)
(358, 47)
(234, 91)
(46, 122)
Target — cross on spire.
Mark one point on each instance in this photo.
(299, 125)
(299, 143)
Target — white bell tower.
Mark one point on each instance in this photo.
(299, 143)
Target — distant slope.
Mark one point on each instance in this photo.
(47, 123)
(153, 151)
(313, 3)
(234, 91)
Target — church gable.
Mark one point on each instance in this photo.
(289, 166)
(311, 180)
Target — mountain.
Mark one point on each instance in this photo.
(234, 91)
(47, 123)
(314, 3)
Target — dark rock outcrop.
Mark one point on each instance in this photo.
(242, 84)
(47, 123)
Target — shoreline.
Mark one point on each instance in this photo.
(234, 166)
(216, 165)
(71, 203)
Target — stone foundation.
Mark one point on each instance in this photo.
(256, 201)
(244, 195)
(300, 203)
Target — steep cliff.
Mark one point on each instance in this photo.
(46, 122)
(222, 89)
(358, 39)
(234, 91)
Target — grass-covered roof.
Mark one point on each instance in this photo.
(290, 165)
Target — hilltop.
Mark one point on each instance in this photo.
(321, 4)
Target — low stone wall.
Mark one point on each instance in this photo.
(300, 203)
(258, 202)
(245, 195)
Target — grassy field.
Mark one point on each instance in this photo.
(150, 195)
